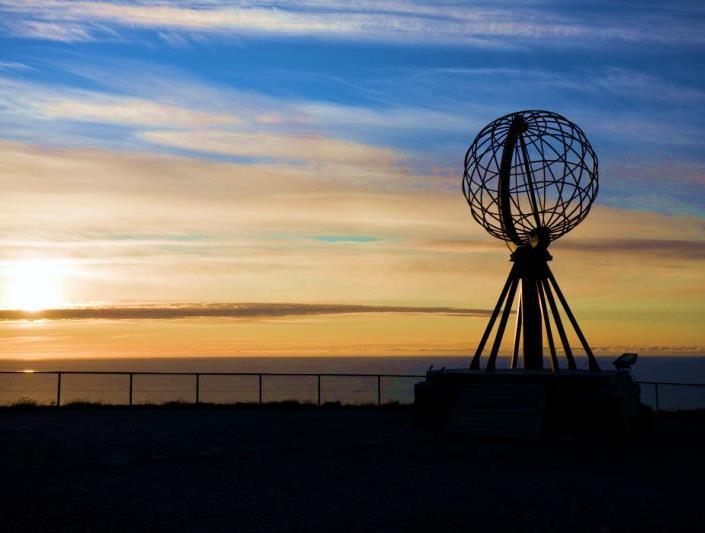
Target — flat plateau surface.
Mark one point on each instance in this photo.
(332, 469)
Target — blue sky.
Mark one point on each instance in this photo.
(186, 138)
(414, 76)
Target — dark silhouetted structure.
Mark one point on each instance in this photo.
(531, 177)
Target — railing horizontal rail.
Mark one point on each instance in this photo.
(671, 383)
(283, 374)
(157, 373)
(279, 393)
(389, 393)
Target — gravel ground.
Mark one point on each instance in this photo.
(332, 469)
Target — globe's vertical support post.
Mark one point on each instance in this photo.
(531, 312)
(531, 267)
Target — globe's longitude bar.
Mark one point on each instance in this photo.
(504, 187)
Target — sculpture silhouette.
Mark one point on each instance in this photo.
(531, 177)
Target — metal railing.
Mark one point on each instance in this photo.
(692, 395)
(375, 388)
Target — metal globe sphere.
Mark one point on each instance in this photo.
(530, 177)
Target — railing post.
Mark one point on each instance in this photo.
(198, 388)
(658, 407)
(130, 396)
(58, 389)
(379, 390)
(260, 388)
(319, 389)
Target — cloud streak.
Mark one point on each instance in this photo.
(401, 21)
(274, 146)
(225, 125)
(230, 310)
(663, 248)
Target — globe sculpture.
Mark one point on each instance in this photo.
(531, 177)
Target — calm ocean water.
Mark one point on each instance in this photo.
(227, 389)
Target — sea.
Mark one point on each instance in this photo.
(678, 378)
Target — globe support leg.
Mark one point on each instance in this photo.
(591, 357)
(502, 325)
(517, 336)
(536, 306)
(475, 364)
(549, 333)
(559, 326)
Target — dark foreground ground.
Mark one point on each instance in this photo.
(332, 469)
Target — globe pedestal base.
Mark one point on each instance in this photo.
(528, 404)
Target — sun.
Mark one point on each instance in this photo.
(34, 285)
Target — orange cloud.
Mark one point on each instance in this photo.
(311, 148)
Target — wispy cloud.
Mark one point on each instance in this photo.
(225, 310)
(229, 123)
(44, 29)
(346, 238)
(274, 146)
(401, 21)
(37, 101)
(603, 81)
(14, 65)
(104, 109)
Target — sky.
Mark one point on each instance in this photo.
(284, 178)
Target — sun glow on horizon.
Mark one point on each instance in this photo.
(34, 285)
